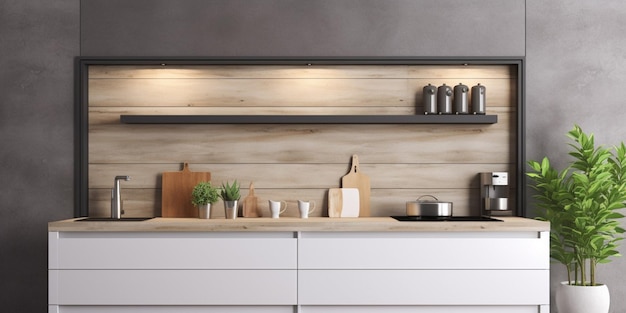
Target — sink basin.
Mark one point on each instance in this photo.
(109, 219)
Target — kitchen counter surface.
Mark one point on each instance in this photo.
(314, 224)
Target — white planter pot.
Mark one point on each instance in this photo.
(582, 299)
(204, 211)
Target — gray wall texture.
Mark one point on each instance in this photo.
(576, 70)
(573, 48)
(38, 40)
(303, 28)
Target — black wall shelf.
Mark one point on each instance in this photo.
(309, 119)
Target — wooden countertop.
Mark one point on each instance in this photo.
(314, 224)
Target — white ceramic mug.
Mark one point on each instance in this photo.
(305, 208)
(275, 208)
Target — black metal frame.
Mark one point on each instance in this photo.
(81, 116)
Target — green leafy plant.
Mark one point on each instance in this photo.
(204, 193)
(230, 192)
(581, 203)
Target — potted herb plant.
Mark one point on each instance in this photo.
(581, 203)
(230, 194)
(202, 196)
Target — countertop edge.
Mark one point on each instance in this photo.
(313, 224)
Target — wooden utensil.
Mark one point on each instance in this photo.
(356, 179)
(343, 202)
(249, 204)
(176, 191)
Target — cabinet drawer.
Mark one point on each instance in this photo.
(424, 309)
(172, 309)
(423, 287)
(173, 251)
(173, 287)
(415, 251)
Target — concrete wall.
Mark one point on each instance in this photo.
(574, 53)
(303, 28)
(575, 74)
(38, 41)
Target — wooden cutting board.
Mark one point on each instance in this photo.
(249, 204)
(343, 202)
(356, 179)
(176, 192)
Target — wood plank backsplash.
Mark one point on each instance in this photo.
(300, 161)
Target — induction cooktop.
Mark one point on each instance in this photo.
(446, 219)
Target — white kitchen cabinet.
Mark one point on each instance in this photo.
(177, 250)
(425, 309)
(134, 272)
(430, 250)
(423, 272)
(175, 287)
(422, 287)
(171, 309)
(299, 271)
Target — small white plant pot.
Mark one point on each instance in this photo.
(582, 299)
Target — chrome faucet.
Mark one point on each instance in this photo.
(116, 200)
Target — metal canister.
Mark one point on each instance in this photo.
(479, 101)
(461, 99)
(430, 99)
(444, 99)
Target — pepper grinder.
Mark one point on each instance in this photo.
(430, 99)
(479, 101)
(461, 99)
(444, 99)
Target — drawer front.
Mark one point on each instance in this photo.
(423, 309)
(173, 287)
(171, 309)
(390, 252)
(168, 251)
(423, 287)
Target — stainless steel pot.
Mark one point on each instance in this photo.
(434, 207)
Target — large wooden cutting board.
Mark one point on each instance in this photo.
(356, 179)
(176, 192)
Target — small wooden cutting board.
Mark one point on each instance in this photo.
(356, 179)
(176, 192)
(249, 204)
(343, 202)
